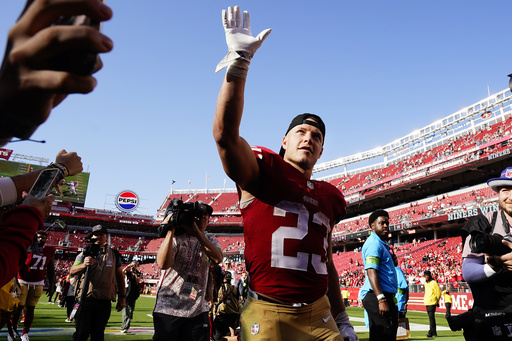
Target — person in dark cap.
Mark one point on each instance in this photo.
(105, 281)
(288, 217)
(381, 283)
(489, 275)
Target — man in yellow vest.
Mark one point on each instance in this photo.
(431, 299)
(447, 302)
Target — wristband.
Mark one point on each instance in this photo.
(239, 68)
(62, 167)
(381, 297)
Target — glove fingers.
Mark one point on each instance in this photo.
(225, 21)
(238, 17)
(231, 17)
(264, 34)
(247, 22)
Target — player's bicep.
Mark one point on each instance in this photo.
(239, 162)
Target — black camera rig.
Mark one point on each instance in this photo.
(182, 213)
(491, 244)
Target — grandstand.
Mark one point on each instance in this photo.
(431, 181)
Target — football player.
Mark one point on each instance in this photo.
(288, 218)
(31, 278)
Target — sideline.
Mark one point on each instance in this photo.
(150, 331)
(418, 327)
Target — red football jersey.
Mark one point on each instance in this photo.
(34, 269)
(286, 227)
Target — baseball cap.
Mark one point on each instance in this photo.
(306, 118)
(504, 180)
(96, 229)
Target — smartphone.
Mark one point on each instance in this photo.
(78, 61)
(45, 182)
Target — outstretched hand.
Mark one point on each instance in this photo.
(241, 43)
(238, 32)
(30, 86)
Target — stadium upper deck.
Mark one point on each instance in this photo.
(414, 177)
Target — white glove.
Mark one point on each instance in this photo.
(345, 327)
(241, 43)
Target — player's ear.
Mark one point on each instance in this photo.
(284, 142)
(321, 152)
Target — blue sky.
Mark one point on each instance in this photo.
(374, 71)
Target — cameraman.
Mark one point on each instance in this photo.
(105, 276)
(132, 276)
(181, 308)
(490, 275)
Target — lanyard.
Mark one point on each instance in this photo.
(506, 224)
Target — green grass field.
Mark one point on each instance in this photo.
(49, 323)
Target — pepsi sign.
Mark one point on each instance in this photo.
(127, 201)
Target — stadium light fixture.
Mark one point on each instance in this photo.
(510, 82)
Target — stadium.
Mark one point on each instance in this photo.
(431, 181)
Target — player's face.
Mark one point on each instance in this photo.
(505, 200)
(41, 239)
(381, 227)
(303, 146)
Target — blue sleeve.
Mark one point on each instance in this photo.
(473, 269)
(372, 256)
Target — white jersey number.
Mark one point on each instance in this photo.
(40, 261)
(301, 261)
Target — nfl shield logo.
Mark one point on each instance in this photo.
(496, 330)
(255, 329)
(310, 185)
(508, 173)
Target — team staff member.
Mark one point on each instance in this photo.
(380, 285)
(31, 278)
(105, 278)
(431, 300)
(447, 302)
(490, 276)
(288, 218)
(402, 292)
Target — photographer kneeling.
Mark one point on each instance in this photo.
(181, 308)
(487, 267)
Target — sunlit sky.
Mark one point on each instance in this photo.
(374, 71)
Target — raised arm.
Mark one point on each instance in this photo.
(71, 162)
(236, 155)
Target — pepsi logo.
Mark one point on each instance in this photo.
(127, 201)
